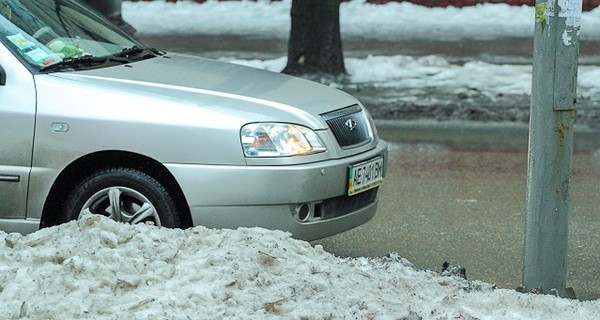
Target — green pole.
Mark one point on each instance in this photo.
(553, 98)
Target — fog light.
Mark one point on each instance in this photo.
(303, 212)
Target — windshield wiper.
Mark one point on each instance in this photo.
(136, 51)
(127, 55)
(86, 61)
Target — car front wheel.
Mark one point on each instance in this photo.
(124, 195)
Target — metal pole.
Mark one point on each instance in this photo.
(553, 98)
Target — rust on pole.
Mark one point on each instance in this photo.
(553, 99)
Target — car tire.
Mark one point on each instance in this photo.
(125, 195)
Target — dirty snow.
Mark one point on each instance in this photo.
(99, 269)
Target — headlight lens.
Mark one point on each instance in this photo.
(279, 140)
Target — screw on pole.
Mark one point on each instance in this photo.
(553, 99)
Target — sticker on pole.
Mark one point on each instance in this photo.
(570, 8)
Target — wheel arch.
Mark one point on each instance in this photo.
(76, 171)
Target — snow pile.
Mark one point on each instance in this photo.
(436, 72)
(211, 18)
(357, 19)
(99, 269)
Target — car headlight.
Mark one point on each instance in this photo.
(279, 140)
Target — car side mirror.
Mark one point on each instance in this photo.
(2, 76)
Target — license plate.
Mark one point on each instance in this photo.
(365, 175)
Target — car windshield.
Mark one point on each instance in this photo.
(64, 34)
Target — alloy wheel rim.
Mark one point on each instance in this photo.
(121, 204)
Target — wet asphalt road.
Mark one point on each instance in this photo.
(452, 193)
(463, 200)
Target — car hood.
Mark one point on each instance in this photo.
(182, 73)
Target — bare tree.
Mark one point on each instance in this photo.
(315, 45)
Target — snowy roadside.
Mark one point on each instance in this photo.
(99, 269)
(395, 86)
(431, 88)
(392, 21)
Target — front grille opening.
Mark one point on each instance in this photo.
(319, 211)
(342, 205)
(333, 207)
(350, 126)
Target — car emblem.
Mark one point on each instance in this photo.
(350, 124)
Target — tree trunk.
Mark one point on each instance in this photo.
(315, 45)
(112, 10)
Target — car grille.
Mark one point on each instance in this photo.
(350, 126)
(339, 206)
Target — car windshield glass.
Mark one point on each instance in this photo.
(51, 33)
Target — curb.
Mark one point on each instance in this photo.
(470, 134)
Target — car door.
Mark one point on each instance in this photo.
(17, 119)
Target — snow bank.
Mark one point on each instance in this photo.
(436, 72)
(358, 19)
(99, 269)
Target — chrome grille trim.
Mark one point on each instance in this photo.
(350, 126)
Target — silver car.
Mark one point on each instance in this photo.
(94, 122)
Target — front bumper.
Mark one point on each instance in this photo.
(307, 200)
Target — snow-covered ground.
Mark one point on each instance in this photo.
(393, 21)
(99, 269)
(357, 19)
